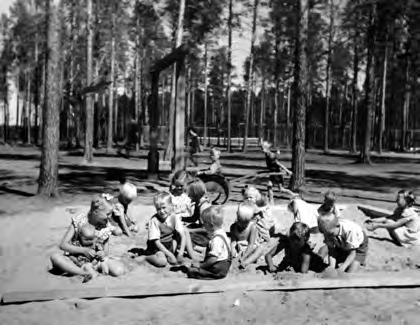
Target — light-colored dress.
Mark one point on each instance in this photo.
(409, 234)
(102, 235)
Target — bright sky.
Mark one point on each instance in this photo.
(4, 6)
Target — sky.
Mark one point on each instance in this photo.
(4, 6)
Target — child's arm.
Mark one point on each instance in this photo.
(251, 241)
(181, 246)
(273, 252)
(66, 245)
(283, 167)
(349, 260)
(209, 261)
(233, 240)
(391, 225)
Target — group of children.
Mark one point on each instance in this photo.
(187, 224)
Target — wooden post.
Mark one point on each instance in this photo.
(153, 156)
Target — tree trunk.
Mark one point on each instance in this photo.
(328, 79)
(354, 104)
(179, 159)
(369, 87)
(48, 174)
(383, 99)
(288, 113)
(276, 90)
(229, 79)
(172, 107)
(406, 107)
(261, 119)
(205, 139)
(250, 75)
(28, 108)
(88, 152)
(299, 101)
(109, 140)
(17, 102)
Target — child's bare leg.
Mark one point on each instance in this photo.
(115, 268)
(394, 237)
(66, 265)
(189, 246)
(159, 259)
(353, 267)
(253, 257)
(123, 224)
(117, 231)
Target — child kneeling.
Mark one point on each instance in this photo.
(218, 256)
(346, 241)
(165, 234)
(298, 254)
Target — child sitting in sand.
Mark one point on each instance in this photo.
(298, 255)
(215, 167)
(182, 205)
(165, 233)
(246, 242)
(346, 242)
(98, 218)
(120, 219)
(218, 257)
(404, 224)
(329, 207)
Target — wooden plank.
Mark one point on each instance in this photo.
(374, 212)
(188, 286)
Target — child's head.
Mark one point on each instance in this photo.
(179, 182)
(265, 146)
(328, 225)
(163, 205)
(212, 218)
(245, 214)
(298, 234)
(215, 154)
(100, 212)
(196, 190)
(405, 199)
(251, 194)
(87, 235)
(329, 200)
(128, 192)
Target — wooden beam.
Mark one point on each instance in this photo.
(179, 136)
(188, 286)
(175, 56)
(374, 212)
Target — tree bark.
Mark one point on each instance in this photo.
(48, 174)
(205, 139)
(88, 151)
(354, 104)
(261, 118)
(369, 87)
(179, 159)
(328, 79)
(276, 90)
(111, 86)
(229, 79)
(299, 101)
(406, 106)
(383, 99)
(28, 108)
(250, 75)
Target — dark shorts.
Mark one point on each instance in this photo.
(151, 248)
(276, 179)
(340, 254)
(316, 264)
(218, 270)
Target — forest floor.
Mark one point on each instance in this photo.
(30, 229)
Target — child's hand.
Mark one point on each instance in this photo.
(171, 258)
(89, 253)
(195, 264)
(272, 269)
(180, 259)
(100, 255)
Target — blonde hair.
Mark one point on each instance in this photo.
(162, 197)
(213, 216)
(128, 191)
(100, 207)
(252, 191)
(327, 223)
(245, 212)
(215, 153)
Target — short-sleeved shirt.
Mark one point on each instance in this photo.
(172, 222)
(350, 236)
(80, 220)
(182, 205)
(306, 213)
(215, 168)
(218, 247)
(413, 223)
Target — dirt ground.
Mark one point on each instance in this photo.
(30, 229)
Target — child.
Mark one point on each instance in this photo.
(215, 167)
(329, 207)
(98, 216)
(95, 262)
(183, 207)
(120, 219)
(275, 167)
(298, 254)
(346, 241)
(307, 214)
(246, 241)
(218, 257)
(404, 225)
(164, 228)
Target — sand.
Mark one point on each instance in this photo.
(27, 239)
